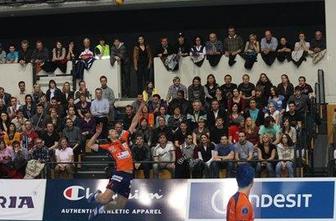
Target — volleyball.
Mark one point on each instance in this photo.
(119, 2)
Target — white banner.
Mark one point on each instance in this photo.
(22, 199)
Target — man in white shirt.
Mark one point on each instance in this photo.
(164, 152)
(100, 109)
(64, 156)
(22, 93)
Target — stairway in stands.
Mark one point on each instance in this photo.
(95, 167)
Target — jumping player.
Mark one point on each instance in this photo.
(120, 181)
(239, 207)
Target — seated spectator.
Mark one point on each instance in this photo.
(28, 108)
(149, 91)
(277, 100)
(182, 48)
(268, 45)
(161, 129)
(142, 61)
(56, 120)
(64, 157)
(141, 152)
(167, 55)
(318, 47)
(246, 88)
(2, 55)
(184, 158)
(203, 156)
(164, 152)
(283, 52)
(11, 135)
(301, 49)
(136, 104)
(13, 107)
(288, 129)
(221, 99)
(144, 131)
(223, 155)
(85, 60)
(175, 120)
(271, 129)
(37, 93)
(243, 148)
(128, 116)
(211, 87)
(266, 153)
(82, 90)
(196, 114)
(5, 97)
(58, 58)
(82, 106)
(198, 51)
(71, 114)
(214, 50)
(4, 122)
(57, 106)
(285, 151)
(295, 118)
(235, 120)
(199, 131)
(19, 160)
(219, 130)
(285, 88)
(50, 137)
(265, 84)
(233, 45)
(260, 99)
(181, 134)
(174, 88)
(144, 113)
(215, 112)
(252, 48)
(6, 155)
(163, 113)
(72, 54)
(66, 93)
(12, 56)
(3, 107)
(102, 50)
(273, 112)
(87, 125)
(119, 54)
(19, 121)
(40, 119)
(99, 109)
(25, 53)
(254, 113)
(53, 91)
(301, 100)
(28, 136)
(73, 135)
(21, 94)
(251, 131)
(181, 102)
(304, 87)
(228, 87)
(196, 91)
(40, 58)
(40, 151)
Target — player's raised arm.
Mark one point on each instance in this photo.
(135, 120)
(92, 142)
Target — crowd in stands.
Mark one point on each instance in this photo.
(195, 131)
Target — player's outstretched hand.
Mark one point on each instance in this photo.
(99, 128)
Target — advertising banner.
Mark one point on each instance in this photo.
(22, 199)
(150, 200)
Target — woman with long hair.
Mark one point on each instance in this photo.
(266, 153)
(271, 111)
(4, 122)
(285, 88)
(277, 99)
(265, 84)
(11, 135)
(236, 99)
(59, 59)
(289, 130)
(285, 151)
(53, 91)
(199, 131)
(66, 93)
(251, 131)
(211, 86)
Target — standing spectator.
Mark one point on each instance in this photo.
(285, 88)
(102, 50)
(223, 155)
(304, 87)
(108, 94)
(40, 57)
(21, 95)
(182, 48)
(286, 156)
(203, 154)
(141, 152)
(196, 91)
(53, 91)
(120, 55)
(301, 49)
(284, 50)
(167, 55)
(64, 158)
(149, 91)
(243, 148)
(58, 58)
(228, 86)
(2, 55)
(265, 84)
(142, 61)
(198, 51)
(252, 48)
(268, 45)
(25, 53)
(318, 47)
(214, 49)
(85, 61)
(12, 55)
(174, 88)
(100, 108)
(246, 88)
(233, 45)
(164, 152)
(266, 154)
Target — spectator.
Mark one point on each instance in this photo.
(82, 90)
(174, 88)
(254, 113)
(318, 47)
(19, 160)
(277, 100)
(6, 155)
(100, 108)
(120, 55)
(221, 100)
(167, 55)
(268, 45)
(3, 108)
(2, 55)
(4, 122)
(29, 108)
(196, 114)
(214, 49)
(286, 156)
(73, 136)
(164, 152)
(219, 130)
(199, 131)
(25, 53)
(198, 51)
(261, 100)
(19, 120)
(50, 137)
(141, 152)
(40, 119)
(235, 120)
(72, 54)
(40, 151)
(273, 112)
(223, 155)
(64, 157)
(12, 55)
(176, 119)
(136, 104)
(181, 102)
(13, 108)
(228, 86)
(128, 116)
(161, 129)
(21, 95)
(271, 129)
(102, 50)
(233, 45)
(214, 113)
(283, 52)
(108, 94)
(211, 87)
(266, 154)
(251, 131)
(203, 154)
(40, 57)
(265, 84)
(82, 106)
(301, 49)
(184, 156)
(288, 129)
(149, 91)
(148, 116)
(58, 58)
(53, 91)
(85, 60)
(28, 136)
(301, 100)
(71, 114)
(142, 61)
(11, 135)
(5, 97)
(182, 48)
(196, 91)
(304, 87)
(285, 88)
(181, 134)
(295, 118)
(144, 131)
(252, 48)
(87, 125)
(243, 148)
(37, 93)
